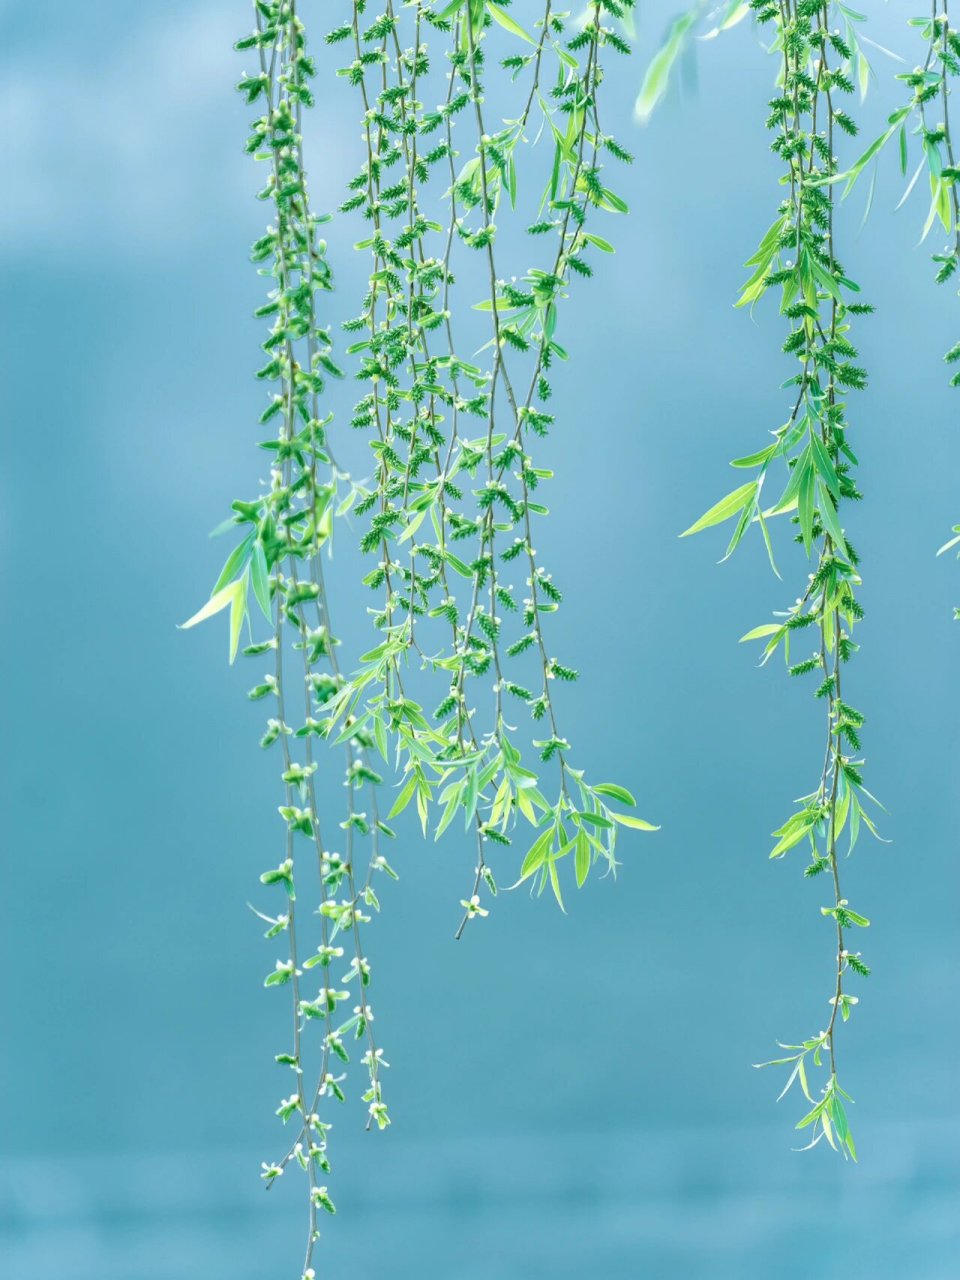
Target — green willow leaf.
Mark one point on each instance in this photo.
(657, 76)
(508, 24)
(729, 506)
(614, 791)
(582, 859)
(259, 579)
(638, 824)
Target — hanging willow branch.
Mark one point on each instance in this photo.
(799, 255)
(421, 393)
(452, 511)
(279, 560)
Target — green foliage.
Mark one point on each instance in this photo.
(456, 490)
(451, 507)
(809, 466)
(277, 568)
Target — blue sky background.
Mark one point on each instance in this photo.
(572, 1094)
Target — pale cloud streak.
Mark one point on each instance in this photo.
(142, 152)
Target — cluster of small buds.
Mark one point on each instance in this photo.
(358, 966)
(378, 1113)
(292, 518)
(298, 774)
(331, 1084)
(472, 907)
(291, 531)
(322, 1200)
(288, 1106)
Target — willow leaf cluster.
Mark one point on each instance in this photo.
(451, 444)
(455, 499)
(807, 474)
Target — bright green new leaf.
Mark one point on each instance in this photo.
(657, 76)
(537, 854)
(232, 596)
(766, 629)
(729, 506)
(615, 792)
(638, 824)
(508, 23)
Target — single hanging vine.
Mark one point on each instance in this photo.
(279, 560)
(798, 254)
(423, 396)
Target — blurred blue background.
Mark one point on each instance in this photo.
(572, 1095)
